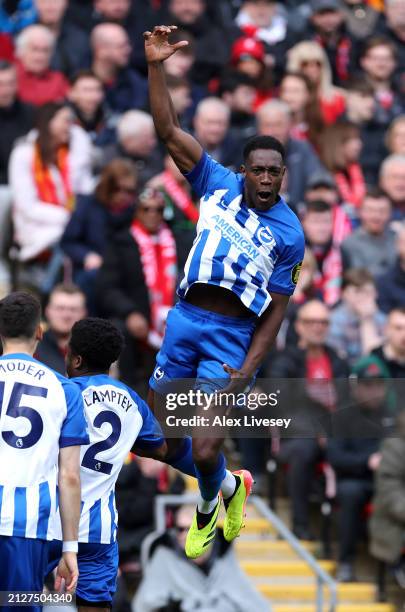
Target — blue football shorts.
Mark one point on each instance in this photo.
(23, 564)
(197, 343)
(98, 568)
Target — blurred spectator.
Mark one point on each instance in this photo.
(328, 27)
(211, 42)
(274, 119)
(392, 181)
(66, 305)
(248, 58)
(181, 209)
(16, 15)
(136, 140)
(361, 18)
(211, 125)
(134, 17)
(136, 285)
(124, 88)
(86, 98)
(355, 456)
(391, 285)
(214, 581)
(340, 151)
(263, 20)
(356, 324)
(237, 90)
(378, 60)
(47, 169)
(313, 360)
(395, 137)
(37, 83)
(180, 65)
(139, 481)
(16, 119)
(372, 245)
(299, 93)
(394, 28)
(387, 522)
(362, 111)
(360, 103)
(317, 221)
(305, 290)
(392, 352)
(95, 218)
(310, 58)
(180, 94)
(322, 187)
(72, 50)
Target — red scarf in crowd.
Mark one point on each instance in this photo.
(328, 276)
(351, 185)
(179, 197)
(46, 188)
(158, 259)
(342, 60)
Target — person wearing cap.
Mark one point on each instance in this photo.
(353, 451)
(327, 26)
(248, 59)
(372, 245)
(361, 17)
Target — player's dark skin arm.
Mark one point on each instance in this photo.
(184, 149)
(264, 336)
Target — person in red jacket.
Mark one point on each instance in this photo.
(37, 84)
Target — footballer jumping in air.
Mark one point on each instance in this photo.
(238, 277)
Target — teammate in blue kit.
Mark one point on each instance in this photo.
(118, 421)
(238, 277)
(42, 425)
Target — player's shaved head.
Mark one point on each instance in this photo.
(20, 316)
(97, 342)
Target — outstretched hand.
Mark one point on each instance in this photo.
(157, 46)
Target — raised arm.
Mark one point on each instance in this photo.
(184, 149)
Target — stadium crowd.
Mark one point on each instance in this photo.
(95, 217)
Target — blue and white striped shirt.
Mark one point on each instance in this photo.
(40, 412)
(249, 252)
(117, 417)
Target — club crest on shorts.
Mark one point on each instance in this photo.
(158, 373)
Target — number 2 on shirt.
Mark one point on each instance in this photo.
(89, 459)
